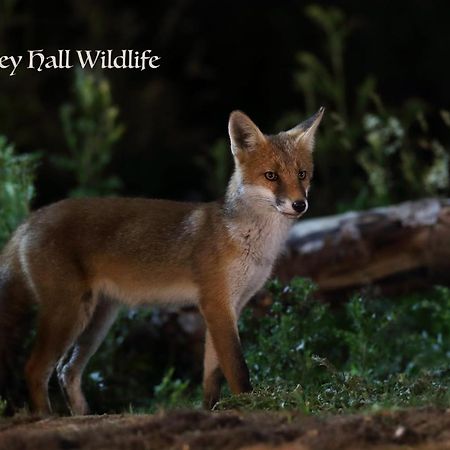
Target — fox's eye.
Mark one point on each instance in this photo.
(302, 174)
(271, 176)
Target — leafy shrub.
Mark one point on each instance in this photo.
(91, 130)
(170, 392)
(370, 353)
(280, 345)
(16, 187)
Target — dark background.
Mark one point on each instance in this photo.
(216, 57)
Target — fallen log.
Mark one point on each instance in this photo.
(392, 249)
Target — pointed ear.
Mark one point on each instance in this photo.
(244, 134)
(305, 132)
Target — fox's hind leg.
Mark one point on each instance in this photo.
(70, 373)
(65, 311)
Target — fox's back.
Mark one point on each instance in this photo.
(102, 224)
(120, 246)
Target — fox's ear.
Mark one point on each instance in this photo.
(305, 132)
(244, 134)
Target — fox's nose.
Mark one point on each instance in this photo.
(299, 205)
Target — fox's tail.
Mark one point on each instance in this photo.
(15, 313)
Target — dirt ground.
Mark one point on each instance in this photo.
(422, 429)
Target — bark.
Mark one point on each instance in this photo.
(392, 249)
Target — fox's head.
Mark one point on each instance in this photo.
(273, 171)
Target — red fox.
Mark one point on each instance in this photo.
(80, 259)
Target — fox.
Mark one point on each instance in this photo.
(80, 260)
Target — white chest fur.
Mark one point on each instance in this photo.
(260, 241)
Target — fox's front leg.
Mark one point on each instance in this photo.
(222, 350)
(212, 375)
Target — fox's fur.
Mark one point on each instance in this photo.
(80, 259)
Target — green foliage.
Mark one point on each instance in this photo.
(91, 129)
(384, 137)
(384, 156)
(317, 79)
(280, 345)
(170, 392)
(16, 187)
(372, 353)
(400, 159)
(266, 397)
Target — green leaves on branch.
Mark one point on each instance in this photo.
(91, 129)
(16, 187)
